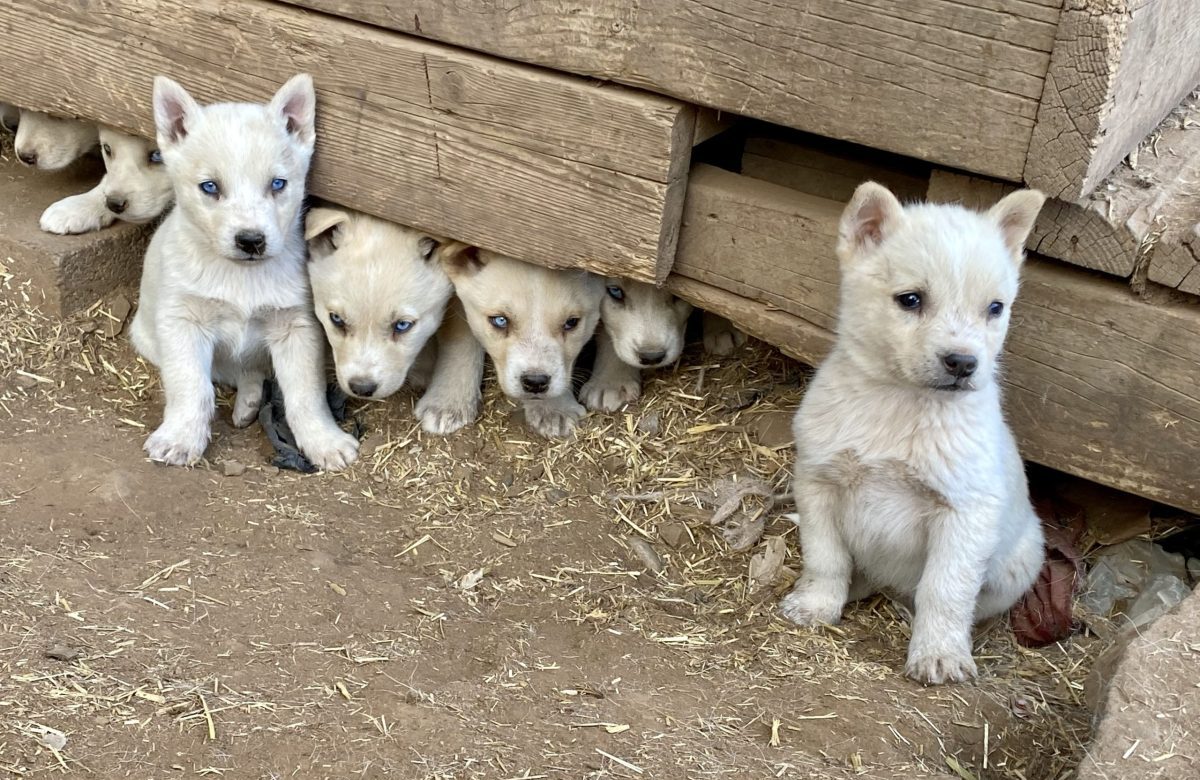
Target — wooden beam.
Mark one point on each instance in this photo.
(547, 167)
(1099, 383)
(1118, 68)
(1146, 214)
(831, 169)
(953, 82)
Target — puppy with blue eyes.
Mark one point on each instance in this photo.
(907, 476)
(225, 295)
(389, 312)
(135, 188)
(533, 322)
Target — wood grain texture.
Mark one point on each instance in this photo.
(543, 166)
(1145, 215)
(944, 80)
(1098, 382)
(1118, 68)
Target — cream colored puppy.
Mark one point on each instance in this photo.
(135, 188)
(50, 143)
(225, 294)
(389, 311)
(907, 476)
(533, 322)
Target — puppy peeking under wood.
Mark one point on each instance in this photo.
(533, 322)
(50, 143)
(224, 295)
(907, 476)
(389, 311)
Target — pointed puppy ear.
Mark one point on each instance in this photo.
(872, 215)
(174, 111)
(461, 260)
(1015, 215)
(296, 104)
(427, 245)
(323, 229)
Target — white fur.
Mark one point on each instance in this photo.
(898, 483)
(642, 326)
(550, 314)
(389, 311)
(50, 143)
(211, 310)
(135, 188)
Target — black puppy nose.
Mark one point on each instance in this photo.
(29, 158)
(363, 387)
(959, 365)
(252, 242)
(535, 383)
(649, 358)
(115, 205)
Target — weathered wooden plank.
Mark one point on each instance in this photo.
(1145, 214)
(830, 169)
(545, 166)
(1098, 382)
(943, 80)
(1118, 68)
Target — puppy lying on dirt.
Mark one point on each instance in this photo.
(50, 143)
(389, 311)
(643, 327)
(533, 322)
(135, 188)
(907, 476)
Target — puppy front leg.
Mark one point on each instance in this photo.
(822, 590)
(940, 648)
(297, 348)
(554, 418)
(452, 399)
(80, 213)
(613, 383)
(720, 336)
(186, 370)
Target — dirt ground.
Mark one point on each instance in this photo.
(467, 607)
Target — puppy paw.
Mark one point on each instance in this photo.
(246, 406)
(605, 396)
(445, 416)
(330, 450)
(808, 607)
(554, 420)
(936, 668)
(76, 214)
(723, 341)
(176, 445)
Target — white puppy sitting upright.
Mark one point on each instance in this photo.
(907, 476)
(533, 322)
(224, 293)
(389, 311)
(135, 188)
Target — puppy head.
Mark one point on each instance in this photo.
(10, 117)
(926, 289)
(49, 143)
(646, 324)
(533, 321)
(136, 185)
(238, 169)
(380, 294)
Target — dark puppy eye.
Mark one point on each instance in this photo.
(210, 188)
(402, 326)
(909, 301)
(571, 323)
(106, 149)
(277, 185)
(499, 321)
(616, 293)
(995, 309)
(155, 157)
(336, 320)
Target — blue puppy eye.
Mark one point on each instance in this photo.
(277, 185)
(155, 157)
(909, 301)
(499, 321)
(995, 309)
(401, 326)
(210, 188)
(616, 293)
